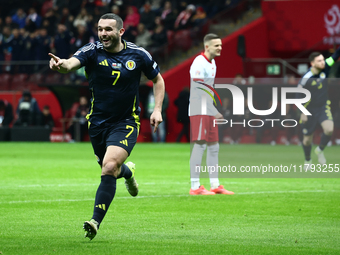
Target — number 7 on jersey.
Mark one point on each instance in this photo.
(118, 75)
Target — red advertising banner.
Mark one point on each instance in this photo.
(297, 25)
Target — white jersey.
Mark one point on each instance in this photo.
(202, 71)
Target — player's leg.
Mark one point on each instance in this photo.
(113, 159)
(199, 145)
(308, 128)
(307, 148)
(212, 158)
(327, 127)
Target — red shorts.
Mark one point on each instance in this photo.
(202, 128)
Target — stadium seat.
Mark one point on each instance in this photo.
(5, 79)
(183, 40)
(171, 43)
(34, 80)
(53, 78)
(19, 81)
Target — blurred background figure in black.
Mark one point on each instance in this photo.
(6, 113)
(182, 103)
(28, 112)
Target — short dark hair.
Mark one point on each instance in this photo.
(210, 37)
(313, 55)
(119, 21)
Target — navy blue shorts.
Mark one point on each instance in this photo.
(319, 114)
(122, 134)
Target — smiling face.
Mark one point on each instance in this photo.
(108, 34)
(213, 47)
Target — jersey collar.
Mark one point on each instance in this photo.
(205, 57)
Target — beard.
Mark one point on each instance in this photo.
(114, 40)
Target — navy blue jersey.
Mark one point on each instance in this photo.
(114, 80)
(317, 84)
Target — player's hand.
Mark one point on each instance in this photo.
(155, 120)
(218, 116)
(55, 62)
(303, 118)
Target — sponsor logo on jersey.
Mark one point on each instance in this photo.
(130, 64)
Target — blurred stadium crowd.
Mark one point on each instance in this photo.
(31, 29)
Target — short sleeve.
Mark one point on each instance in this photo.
(151, 68)
(196, 70)
(86, 53)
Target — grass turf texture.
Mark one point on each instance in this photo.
(47, 192)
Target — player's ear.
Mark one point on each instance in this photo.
(121, 31)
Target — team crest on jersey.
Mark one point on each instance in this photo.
(322, 75)
(116, 65)
(198, 73)
(130, 64)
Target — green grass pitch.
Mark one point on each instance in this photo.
(47, 191)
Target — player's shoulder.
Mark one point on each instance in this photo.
(90, 47)
(134, 49)
(306, 77)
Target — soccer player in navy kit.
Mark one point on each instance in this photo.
(319, 105)
(113, 68)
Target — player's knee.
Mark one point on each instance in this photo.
(307, 141)
(328, 131)
(110, 168)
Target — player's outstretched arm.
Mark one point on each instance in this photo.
(158, 91)
(64, 65)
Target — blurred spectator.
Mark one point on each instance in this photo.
(82, 37)
(78, 122)
(130, 23)
(50, 22)
(160, 134)
(83, 18)
(147, 17)
(159, 37)
(20, 18)
(6, 113)
(66, 19)
(159, 40)
(46, 117)
(132, 17)
(143, 38)
(116, 10)
(239, 80)
(168, 16)
(74, 6)
(183, 19)
(28, 52)
(199, 18)
(42, 45)
(28, 112)
(33, 20)
(46, 6)
(62, 42)
(182, 103)
(17, 45)
(10, 23)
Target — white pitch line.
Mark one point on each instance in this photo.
(162, 196)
